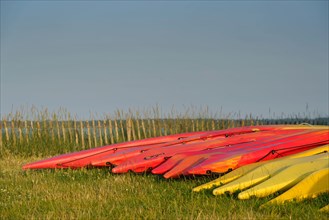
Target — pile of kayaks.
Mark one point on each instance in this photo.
(249, 152)
(298, 176)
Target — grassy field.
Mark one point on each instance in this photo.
(98, 194)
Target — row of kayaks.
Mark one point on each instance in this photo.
(249, 152)
(297, 177)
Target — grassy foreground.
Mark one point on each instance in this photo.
(98, 194)
(30, 135)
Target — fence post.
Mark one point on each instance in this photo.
(133, 130)
(105, 132)
(82, 134)
(76, 132)
(144, 129)
(128, 125)
(122, 130)
(100, 132)
(111, 131)
(13, 132)
(154, 128)
(138, 129)
(58, 131)
(89, 136)
(63, 132)
(116, 130)
(69, 127)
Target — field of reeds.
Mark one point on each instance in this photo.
(32, 134)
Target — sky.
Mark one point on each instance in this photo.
(251, 57)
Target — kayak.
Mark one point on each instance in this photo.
(155, 151)
(241, 171)
(221, 163)
(325, 208)
(311, 186)
(264, 172)
(261, 160)
(83, 158)
(120, 157)
(179, 163)
(186, 164)
(154, 157)
(285, 179)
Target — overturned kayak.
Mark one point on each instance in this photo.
(256, 160)
(270, 171)
(245, 170)
(311, 186)
(87, 157)
(325, 208)
(180, 163)
(83, 158)
(226, 161)
(295, 177)
(155, 157)
(195, 153)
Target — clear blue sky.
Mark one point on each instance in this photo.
(247, 56)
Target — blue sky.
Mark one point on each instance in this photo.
(241, 56)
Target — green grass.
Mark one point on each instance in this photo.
(30, 135)
(98, 194)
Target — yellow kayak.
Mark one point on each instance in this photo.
(266, 171)
(310, 187)
(325, 209)
(305, 126)
(285, 178)
(235, 174)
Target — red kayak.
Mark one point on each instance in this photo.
(123, 152)
(223, 162)
(87, 160)
(154, 157)
(83, 158)
(178, 164)
(120, 157)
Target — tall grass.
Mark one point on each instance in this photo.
(28, 132)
